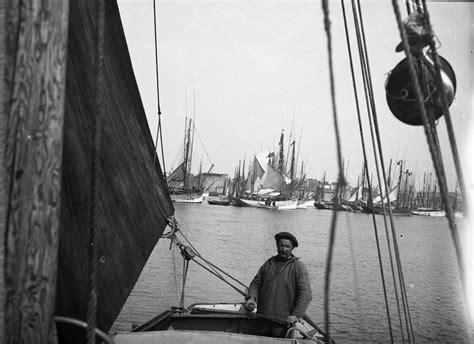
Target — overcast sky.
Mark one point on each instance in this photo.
(257, 67)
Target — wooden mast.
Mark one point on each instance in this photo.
(33, 101)
(3, 190)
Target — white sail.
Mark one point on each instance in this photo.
(392, 195)
(356, 195)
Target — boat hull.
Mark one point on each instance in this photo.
(379, 210)
(305, 205)
(433, 213)
(288, 204)
(220, 323)
(332, 206)
(224, 202)
(185, 198)
(280, 205)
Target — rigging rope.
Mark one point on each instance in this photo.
(368, 78)
(340, 179)
(434, 149)
(159, 130)
(370, 111)
(190, 252)
(185, 273)
(447, 114)
(361, 132)
(202, 144)
(96, 172)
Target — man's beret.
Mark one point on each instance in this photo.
(289, 236)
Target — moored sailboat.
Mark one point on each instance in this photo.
(183, 186)
(271, 187)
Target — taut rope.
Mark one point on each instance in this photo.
(159, 131)
(361, 132)
(340, 179)
(368, 78)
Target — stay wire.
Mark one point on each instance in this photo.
(340, 180)
(361, 133)
(393, 229)
(159, 129)
(202, 144)
(95, 221)
(159, 132)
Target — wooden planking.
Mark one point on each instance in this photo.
(134, 195)
(35, 50)
(196, 337)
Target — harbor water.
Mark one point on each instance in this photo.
(239, 240)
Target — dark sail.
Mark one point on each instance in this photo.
(134, 197)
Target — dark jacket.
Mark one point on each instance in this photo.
(284, 293)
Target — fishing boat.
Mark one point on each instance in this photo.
(335, 203)
(219, 323)
(84, 207)
(291, 204)
(429, 212)
(183, 186)
(272, 184)
(219, 201)
(305, 204)
(81, 207)
(187, 197)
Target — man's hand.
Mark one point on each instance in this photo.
(292, 319)
(250, 304)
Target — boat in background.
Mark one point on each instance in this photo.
(218, 201)
(273, 184)
(183, 186)
(429, 212)
(335, 202)
(279, 205)
(188, 198)
(305, 204)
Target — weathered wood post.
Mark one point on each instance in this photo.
(33, 93)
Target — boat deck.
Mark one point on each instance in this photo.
(196, 337)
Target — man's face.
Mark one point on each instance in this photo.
(284, 247)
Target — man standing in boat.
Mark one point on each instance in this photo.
(281, 287)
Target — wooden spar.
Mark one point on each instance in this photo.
(33, 103)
